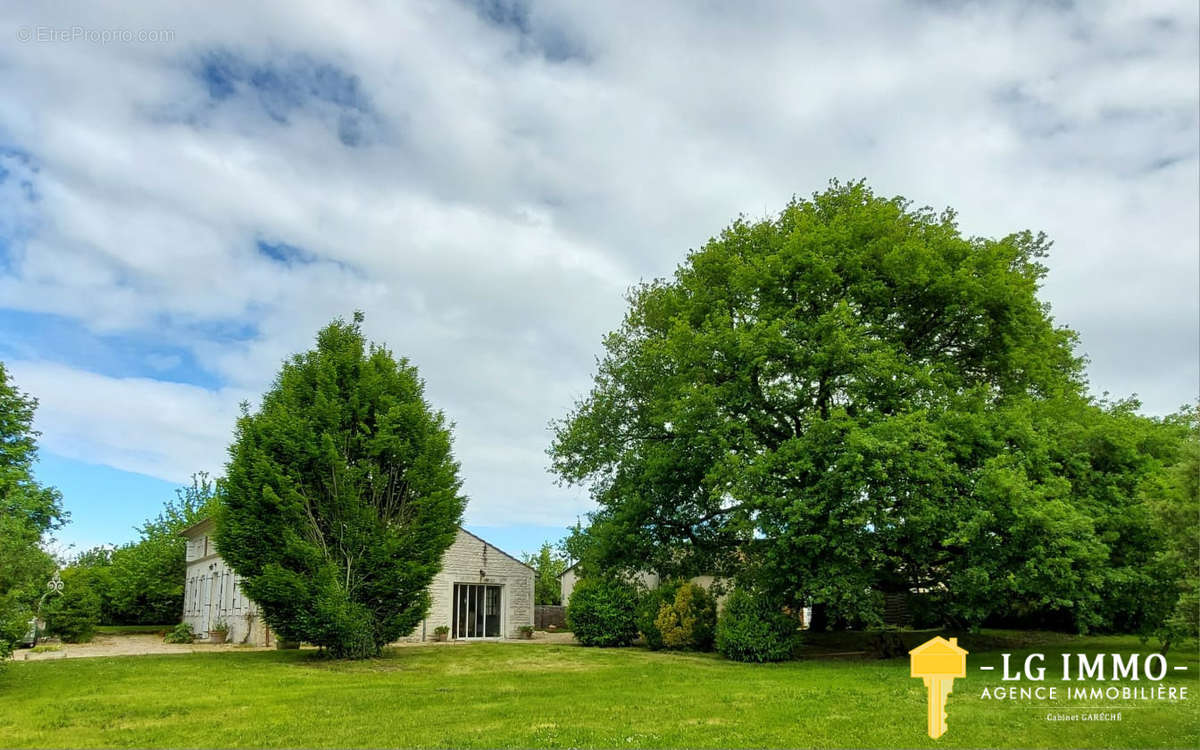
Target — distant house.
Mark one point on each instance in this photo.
(646, 579)
(481, 592)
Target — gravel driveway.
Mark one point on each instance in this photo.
(125, 645)
(136, 645)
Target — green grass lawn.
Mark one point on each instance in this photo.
(536, 695)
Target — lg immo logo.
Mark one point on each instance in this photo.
(1088, 677)
(939, 662)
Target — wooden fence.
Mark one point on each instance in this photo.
(545, 615)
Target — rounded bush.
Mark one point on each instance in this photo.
(750, 628)
(601, 612)
(687, 622)
(649, 605)
(74, 614)
(181, 633)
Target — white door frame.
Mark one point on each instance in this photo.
(454, 609)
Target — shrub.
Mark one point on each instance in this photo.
(181, 633)
(647, 612)
(601, 612)
(74, 614)
(688, 622)
(751, 628)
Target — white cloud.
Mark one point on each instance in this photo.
(152, 427)
(504, 197)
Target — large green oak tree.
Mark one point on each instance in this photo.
(853, 398)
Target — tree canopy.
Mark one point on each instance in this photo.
(853, 398)
(547, 565)
(341, 496)
(141, 583)
(28, 510)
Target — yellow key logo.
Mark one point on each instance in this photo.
(938, 661)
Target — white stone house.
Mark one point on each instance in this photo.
(645, 579)
(481, 592)
(649, 581)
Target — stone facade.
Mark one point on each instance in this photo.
(212, 592)
(471, 560)
(644, 579)
(566, 583)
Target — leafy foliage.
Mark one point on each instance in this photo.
(752, 628)
(853, 397)
(342, 496)
(601, 612)
(142, 583)
(74, 614)
(549, 565)
(28, 511)
(649, 605)
(1174, 498)
(181, 633)
(688, 622)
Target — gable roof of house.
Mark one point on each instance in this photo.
(510, 557)
(207, 523)
(202, 525)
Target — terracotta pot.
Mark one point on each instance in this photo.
(216, 636)
(440, 636)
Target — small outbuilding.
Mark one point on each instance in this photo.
(481, 592)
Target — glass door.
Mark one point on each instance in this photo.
(476, 611)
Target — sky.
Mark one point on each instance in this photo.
(188, 194)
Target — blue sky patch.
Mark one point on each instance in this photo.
(40, 336)
(549, 41)
(281, 252)
(105, 504)
(285, 89)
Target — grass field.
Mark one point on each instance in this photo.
(511, 694)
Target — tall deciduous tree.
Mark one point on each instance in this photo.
(342, 495)
(28, 510)
(548, 565)
(849, 399)
(141, 583)
(1175, 500)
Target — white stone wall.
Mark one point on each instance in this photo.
(646, 580)
(566, 583)
(472, 560)
(570, 577)
(212, 592)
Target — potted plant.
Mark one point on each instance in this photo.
(218, 632)
(441, 632)
(526, 632)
